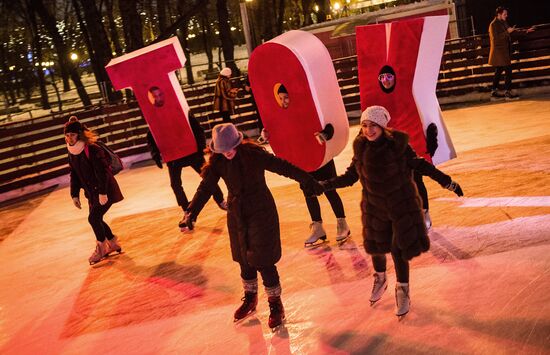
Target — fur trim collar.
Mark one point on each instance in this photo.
(77, 148)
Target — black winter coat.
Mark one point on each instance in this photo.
(252, 218)
(390, 205)
(187, 160)
(93, 175)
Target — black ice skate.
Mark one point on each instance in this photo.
(495, 96)
(250, 301)
(186, 224)
(276, 313)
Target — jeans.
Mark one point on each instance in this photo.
(508, 78)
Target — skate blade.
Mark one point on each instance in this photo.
(316, 244)
(343, 240)
(401, 317)
(279, 327)
(241, 321)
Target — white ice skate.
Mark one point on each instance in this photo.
(318, 235)
(98, 254)
(342, 230)
(402, 300)
(427, 219)
(112, 246)
(379, 287)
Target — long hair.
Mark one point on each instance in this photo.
(88, 136)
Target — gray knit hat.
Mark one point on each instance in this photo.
(376, 114)
(225, 137)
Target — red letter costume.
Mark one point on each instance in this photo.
(154, 66)
(299, 61)
(413, 48)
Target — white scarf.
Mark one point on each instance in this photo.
(77, 148)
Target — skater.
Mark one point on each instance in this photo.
(248, 89)
(195, 160)
(91, 172)
(392, 217)
(252, 218)
(224, 95)
(317, 232)
(500, 52)
(387, 81)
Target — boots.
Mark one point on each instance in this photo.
(111, 246)
(342, 229)
(402, 299)
(379, 287)
(250, 301)
(317, 234)
(276, 312)
(99, 253)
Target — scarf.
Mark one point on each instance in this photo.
(77, 148)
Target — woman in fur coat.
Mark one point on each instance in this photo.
(252, 218)
(393, 221)
(91, 172)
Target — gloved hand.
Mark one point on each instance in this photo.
(431, 139)
(455, 187)
(327, 186)
(316, 187)
(103, 199)
(159, 163)
(76, 202)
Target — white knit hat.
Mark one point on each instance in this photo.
(226, 72)
(376, 114)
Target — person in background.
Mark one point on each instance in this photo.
(224, 95)
(500, 52)
(175, 167)
(91, 172)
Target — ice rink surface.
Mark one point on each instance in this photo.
(483, 288)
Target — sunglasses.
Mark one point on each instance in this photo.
(386, 76)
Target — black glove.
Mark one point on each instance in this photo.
(431, 139)
(312, 188)
(318, 189)
(159, 163)
(455, 187)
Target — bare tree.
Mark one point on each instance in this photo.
(115, 39)
(62, 53)
(225, 36)
(131, 25)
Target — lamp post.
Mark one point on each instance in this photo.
(246, 26)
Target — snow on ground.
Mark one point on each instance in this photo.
(483, 288)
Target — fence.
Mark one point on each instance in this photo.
(34, 151)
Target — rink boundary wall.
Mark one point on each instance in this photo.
(33, 152)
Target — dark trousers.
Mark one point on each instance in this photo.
(401, 265)
(421, 189)
(508, 78)
(226, 116)
(270, 276)
(326, 172)
(95, 217)
(174, 171)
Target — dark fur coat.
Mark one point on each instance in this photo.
(390, 205)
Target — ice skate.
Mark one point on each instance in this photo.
(402, 300)
(276, 313)
(318, 235)
(222, 205)
(98, 254)
(427, 219)
(184, 224)
(379, 287)
(508, 95)
(342, 231)
(112, 246)
(495, 96)
(250, 301)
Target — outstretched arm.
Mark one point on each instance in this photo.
(427, 169)
(204, 191)
(349, 178)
